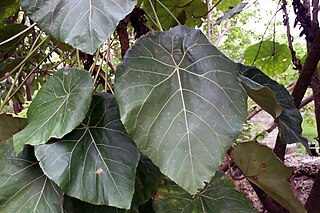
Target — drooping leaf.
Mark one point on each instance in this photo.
(261, 166)
(73, 205)
(10, 125)
(23, 186)
(181, 102)
(218, 196)
(269, 56)
(289, 121)
(263, 96)
(97, 161)
(84, 25)
(231, 12)
(60, 106)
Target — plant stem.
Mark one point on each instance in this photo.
(18, 34)
(78, 58)
(33, 49)
(156, 16)
(173, 16)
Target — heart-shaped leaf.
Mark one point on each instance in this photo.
(218, 196)
(261, 166)
(23, 186)
(97, 161)
(60, 106)
(181, 102)
(10, 125)
(83, 24)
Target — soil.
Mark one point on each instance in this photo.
(305, 167)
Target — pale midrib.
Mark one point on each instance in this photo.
(186, 123)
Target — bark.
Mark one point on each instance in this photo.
(313, 204)
(123, 35)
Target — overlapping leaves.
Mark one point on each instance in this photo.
(83, 24)
(97, 161)
(181, 102)
(23, 186)
(261, 166)
(218, 196)
(189, 13)
(289, 121)
(60, 105)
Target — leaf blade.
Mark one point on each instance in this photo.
(218, 196)
(261, 166)
(23, 186)
(84, 25)
(60, 105)
(97, 161)
(177, 93)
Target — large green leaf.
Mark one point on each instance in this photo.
(181, 102)
(83, 24)
(270, 56)
(289, 121)
(261, 166)
(97, 161)
(10, 125)
(60, 106)
(23, 186)
(218, 196)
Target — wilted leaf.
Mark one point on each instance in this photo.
(60, 106)
(97, 161)
(218, 196)
(261, 166)
(269, 56)
(83, 24)
(10, 125)
(181, 102)
(289, 121)
(23, 186)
